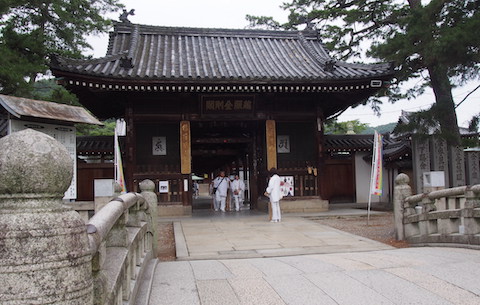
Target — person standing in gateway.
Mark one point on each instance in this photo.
(220, 188)
(238, 187)
(274, 193)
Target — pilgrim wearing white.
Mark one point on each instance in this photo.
(221, 183)
(274, 193)
(238, 187)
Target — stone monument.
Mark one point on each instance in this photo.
(421, 161)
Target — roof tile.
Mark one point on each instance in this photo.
(170, 53)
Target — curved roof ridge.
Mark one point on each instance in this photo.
(217, 32)
(134, 41)
(319, 58)
(370, 66)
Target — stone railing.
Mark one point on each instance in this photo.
(48, 254)
(443, 216)
(122, 238)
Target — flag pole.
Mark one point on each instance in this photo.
(115, 161)
(371, 178)
(376, 181)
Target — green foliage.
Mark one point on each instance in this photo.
(30, 31)
(383, 129)
(263, 22)
(335, 127)
(436, 42)
(49, 90)
(474, 124)
(93, 130)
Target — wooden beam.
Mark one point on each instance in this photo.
(221, 140)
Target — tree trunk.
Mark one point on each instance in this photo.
(444, 109)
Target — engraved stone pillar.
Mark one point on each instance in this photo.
(472, 162)
(439, 155)
(421, 161)
(271, 138)
(44, 252)
(457, 166)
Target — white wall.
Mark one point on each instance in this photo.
(362, 178)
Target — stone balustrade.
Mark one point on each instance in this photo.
(121, 238)
(48, 254)
(441, 216)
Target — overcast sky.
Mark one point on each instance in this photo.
(231, 14)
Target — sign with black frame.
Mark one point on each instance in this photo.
(227, 104)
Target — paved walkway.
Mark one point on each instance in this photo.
(240, 258)
(250, 235)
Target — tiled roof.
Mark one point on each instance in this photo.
(144, 52)
(397, 150)
(22, 107)
(350, 142)
(97, 145)
(392, 149)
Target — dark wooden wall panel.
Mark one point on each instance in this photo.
(87, 173)
(340, 185)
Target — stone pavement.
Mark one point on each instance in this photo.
(240, 258)
(250, 235)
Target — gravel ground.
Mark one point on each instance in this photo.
(380, 228)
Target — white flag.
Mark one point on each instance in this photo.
(120, 129)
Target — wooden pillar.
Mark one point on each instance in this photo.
(253, 166)
(131, 143)
(271, 139)
(320, 152)
(186, 160)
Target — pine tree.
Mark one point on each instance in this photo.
(30, 31)
(436, 42)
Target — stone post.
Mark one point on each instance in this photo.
(457, 164)
(470, 224)
(421, 161)
(44, 252)
(402, 191)
(147, 188)
(472, 162)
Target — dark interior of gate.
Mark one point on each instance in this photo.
(220, 146)
(229, 146)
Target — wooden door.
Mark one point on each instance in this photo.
(339, 182)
